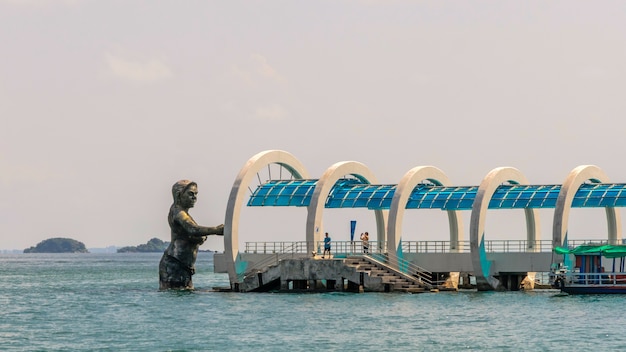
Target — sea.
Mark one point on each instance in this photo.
(111, 302)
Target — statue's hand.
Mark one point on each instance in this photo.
(220, 229)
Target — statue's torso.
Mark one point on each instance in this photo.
(183, 245)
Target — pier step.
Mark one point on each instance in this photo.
(412, 289)
(395, 280)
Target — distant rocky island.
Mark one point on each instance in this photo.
(58, 245)
(152, 246)
(68, 245)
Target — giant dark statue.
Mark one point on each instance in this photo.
(178, 262)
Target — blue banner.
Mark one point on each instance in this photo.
(352, 228)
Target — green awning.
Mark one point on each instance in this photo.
(607, 250)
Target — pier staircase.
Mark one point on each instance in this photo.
(265, 276)
(412, 279)
(366, 273)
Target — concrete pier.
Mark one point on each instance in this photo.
(355, 274)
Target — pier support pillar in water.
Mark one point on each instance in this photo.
(452, 282)
(528, 283)
(488, 283)
(300, 284)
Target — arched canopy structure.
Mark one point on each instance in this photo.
(314, 223)
(487, 188)
(401, 197)
(237, 193)
(575, 188)
(502, 188)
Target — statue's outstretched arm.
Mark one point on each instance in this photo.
(193, 229)
(216, 230)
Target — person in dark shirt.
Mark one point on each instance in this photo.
(326, 246)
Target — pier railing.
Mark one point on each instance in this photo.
(409, 268)
(356, 247)
(607, 278)
(287, 251)
(276, 247)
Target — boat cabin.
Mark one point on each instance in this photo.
(594, 269)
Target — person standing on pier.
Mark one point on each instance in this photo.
(365, 238)
(326, 246)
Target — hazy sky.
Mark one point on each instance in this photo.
(105, 104)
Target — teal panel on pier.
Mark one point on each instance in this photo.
(352, 193)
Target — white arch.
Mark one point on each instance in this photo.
(314, 223)
(238, 192)
(575, 178)
(484, 280)
(401, 197)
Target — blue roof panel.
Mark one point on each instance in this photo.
(351, 193)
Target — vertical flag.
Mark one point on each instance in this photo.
(352, 228)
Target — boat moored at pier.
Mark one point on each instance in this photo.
(590, 269)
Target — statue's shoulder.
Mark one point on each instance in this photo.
(178, 214)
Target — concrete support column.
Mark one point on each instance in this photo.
(398, 204)
(483, 269)
(528, 282)
(236, 200)
(452, 282)
(572, 183)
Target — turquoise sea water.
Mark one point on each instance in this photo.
(111, 302)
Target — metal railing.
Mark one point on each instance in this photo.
(353, 247)
(499, 246)
(356, 247)
(507, 246)
(434, 246)
(406, 267)
(275, 247)
(576, 243)
(287, 252)
(607, 278)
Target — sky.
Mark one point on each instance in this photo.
(104, 105)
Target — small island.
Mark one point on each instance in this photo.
(152, 246)
(58, 245)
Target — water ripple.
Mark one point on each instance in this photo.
(111, 303)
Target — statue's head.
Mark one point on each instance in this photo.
(185, 193)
